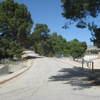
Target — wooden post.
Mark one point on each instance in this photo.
(82, 63)
(92, 66)
(87, 64)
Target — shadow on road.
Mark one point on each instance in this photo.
(76, 76)
(31, 57)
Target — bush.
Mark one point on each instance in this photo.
(77, 49)
(9, 49)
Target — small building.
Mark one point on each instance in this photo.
(92, 50)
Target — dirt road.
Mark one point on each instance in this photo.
(50, 79)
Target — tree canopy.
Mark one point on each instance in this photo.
(77, 48)
(15, 34)
(53, 44)
(15, 24)
(79, 11)
(15, 19)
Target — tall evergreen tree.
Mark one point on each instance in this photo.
(15, 19)
(79, 11)
(15, 24)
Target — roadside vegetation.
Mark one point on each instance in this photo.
(52, 44)
(15, 24)
(16, 35)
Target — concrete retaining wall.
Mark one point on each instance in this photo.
(8, 77)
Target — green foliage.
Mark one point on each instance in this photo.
(45, 48)
(9, 48)
(15, 50)
(41, 40)
(96, 36)
(15, 20)
(95, 32)
(53, 44)
(40, 32)
(78, 9)
(15, 24)
(77, 49)
(59, 44)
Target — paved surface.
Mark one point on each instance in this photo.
(48, 79)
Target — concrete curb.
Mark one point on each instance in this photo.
(6, 78)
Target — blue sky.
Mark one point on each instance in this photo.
(49, 12)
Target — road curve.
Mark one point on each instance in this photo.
(37, 84)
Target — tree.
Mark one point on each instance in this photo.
(15, 24)
(9, 49)
(77, 49)
(47, 44)
(42, 30)
(96, 37)
(45, 48)
(95, 32)
(15, 20)
(40, 34)
(60, 45)
(79, 11)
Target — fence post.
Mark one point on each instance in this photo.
(87, 64)
(92, 66)
(82, 63)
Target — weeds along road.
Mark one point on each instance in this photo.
(39, 83)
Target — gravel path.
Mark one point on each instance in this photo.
(48, 79)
